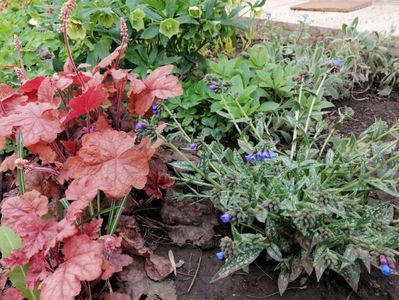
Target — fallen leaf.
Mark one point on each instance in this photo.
(189, 222)
(83, 261)
(157, 267)
(139, 286)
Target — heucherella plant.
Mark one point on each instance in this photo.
(85, 139)
(312, 206)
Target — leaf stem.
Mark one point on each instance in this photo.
(115, 221)
(295, 134)
(20, 171)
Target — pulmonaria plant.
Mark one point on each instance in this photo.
(308, 214)
(79, 126)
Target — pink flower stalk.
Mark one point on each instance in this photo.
(17, 44)
(124, 33)
(66, 10)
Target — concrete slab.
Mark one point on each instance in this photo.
(382, 15)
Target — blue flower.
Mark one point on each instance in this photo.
(250, 158)
(305, 17)
(225, 218)
(154, 109)
(193, 146)
(268, 14)
(158, 116)
(386, 270)
(273, 154)
(266, 155)
(220, 255)
(212, 86)
(140, 125)
(339, 62)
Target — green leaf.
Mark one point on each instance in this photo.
(269, 106)
(261, 215)
(182, 165)
(237, 262)
(274, 252)
(170, 7)
(283, 280)
(9, 241)
(319, 264)
(150, 32)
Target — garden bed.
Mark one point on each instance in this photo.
(260, 283)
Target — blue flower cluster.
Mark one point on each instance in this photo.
(262, 155)
(140, 125)
(154, 110)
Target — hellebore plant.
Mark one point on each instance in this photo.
(84, 151)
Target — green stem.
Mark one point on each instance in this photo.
(99, 204)
(177, 124)
(174, 148)
(20, 171)
(115, 221)
(111, 215)
(248, 119)
(231, 115)
(313, 102)
(295, 134)
(91, 209)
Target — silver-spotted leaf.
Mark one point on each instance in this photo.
(237, 262)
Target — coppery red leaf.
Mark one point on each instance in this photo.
(36, 271)
(37, 234)
(12, 294)
(110, 160)
(38, 122)
(15, 209)
(15, 259)
(114, 260)
(83, 261)
(92, 229)
(8, 163)
(157, 179)
(83, 104)
(160, 84)
(108, 60)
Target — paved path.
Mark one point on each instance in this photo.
(381, 16)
